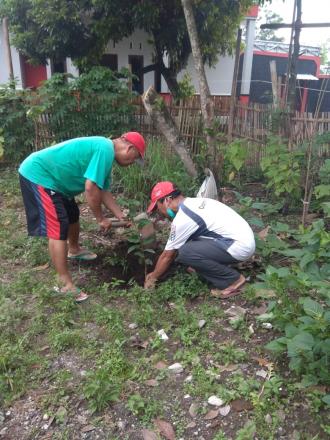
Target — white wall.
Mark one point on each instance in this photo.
(136, 44)
(4, 72)
(219, 77)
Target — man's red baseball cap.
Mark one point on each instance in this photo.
(160, 190)
(137, 140)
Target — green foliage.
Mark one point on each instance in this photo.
(95, 103)
(104, 383)
(81, 30)
(322, 191)
(16, 130)
(185, 88)
(161, 165)
(180, 286)
(269, 34)
(235, 155)
(139, 247)
(16, 360)
(145, 408)
(248, 432)
(282, 170)
(306, 322)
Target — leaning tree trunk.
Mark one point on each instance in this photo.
(207, 106)
(158, 111)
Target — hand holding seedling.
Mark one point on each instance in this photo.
(105, 224)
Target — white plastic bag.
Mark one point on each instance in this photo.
(208, 188)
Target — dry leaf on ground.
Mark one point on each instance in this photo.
(165, 429)
(149, 435)
(212, 414)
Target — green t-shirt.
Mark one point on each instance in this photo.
(65, 167)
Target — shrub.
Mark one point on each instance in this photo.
(17, 134)
(96, 103)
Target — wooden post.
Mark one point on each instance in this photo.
(273, 75)
(234, 87)
(9, 60)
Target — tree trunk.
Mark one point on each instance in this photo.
(234, 87)
(158, 111)
(171, 80)
(207, 106)
(9, 60)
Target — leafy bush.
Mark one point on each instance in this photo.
(235, 155)
(282, 169)
(104, 383)
(16, 130)
(302, 309)
(160, 164)
(322, 191)
(96, 103)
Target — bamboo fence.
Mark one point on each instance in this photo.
(253, 122)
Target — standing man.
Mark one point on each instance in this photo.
(51, 178)
(206, 235)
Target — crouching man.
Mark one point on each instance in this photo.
(206, 235)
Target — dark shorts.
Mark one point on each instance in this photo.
(48, 213)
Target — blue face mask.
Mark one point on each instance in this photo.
(170, 213)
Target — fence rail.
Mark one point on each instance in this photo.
(253, 122)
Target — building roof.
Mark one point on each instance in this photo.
(278, 46)
(306, 77)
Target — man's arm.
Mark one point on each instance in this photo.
(94, 200)
(163, 263)
(110, 202)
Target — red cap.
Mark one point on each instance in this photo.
(160, 190)
(137, 140)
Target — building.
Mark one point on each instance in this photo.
(310, 81)
(136, 51)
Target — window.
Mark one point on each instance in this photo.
(110, 60)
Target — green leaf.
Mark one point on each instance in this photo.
(256, 222)
(322, 191)
(291, 330)
(326, 399)
(312, 308)
(306, 259)
(303, 342)
(326, 208)
(277, 346)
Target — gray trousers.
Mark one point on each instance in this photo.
(210, 261)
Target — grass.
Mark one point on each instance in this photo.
(67, 360)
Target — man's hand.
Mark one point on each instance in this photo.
(105, 224)
(150, 281)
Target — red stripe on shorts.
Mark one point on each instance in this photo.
(52, 222)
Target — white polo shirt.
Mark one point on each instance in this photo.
(208, 218)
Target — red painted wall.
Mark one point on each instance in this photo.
(33, 75)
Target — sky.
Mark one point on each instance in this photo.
(313, 11)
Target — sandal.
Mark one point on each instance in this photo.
(227, 293)
(230, 291)
(77, 293)
(84, 255)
